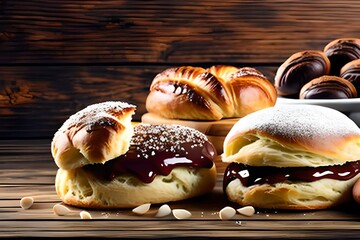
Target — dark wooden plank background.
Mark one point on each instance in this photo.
(57, 57)
(161, 31)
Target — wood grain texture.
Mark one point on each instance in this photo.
(125, 31)
(36, 100)
(57, 57)
(30, 177)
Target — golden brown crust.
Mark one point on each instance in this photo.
(190, 92)
(223, 71)
(218, 92)
(95, 134)
(251, 91)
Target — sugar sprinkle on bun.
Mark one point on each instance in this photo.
(95, 134)
(308, 128)
(292, 157)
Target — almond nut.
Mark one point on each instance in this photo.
(26, 202)
(246, 211)
(227, 213)
(142, 209)
(85, 215)
(181, 214)
(163, 211)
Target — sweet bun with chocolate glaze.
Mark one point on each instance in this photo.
(292, 157)
(299, 69)
(328, 87)
(163, 163)
(351, 72)
(341, 51)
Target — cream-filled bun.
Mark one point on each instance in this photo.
(292, 157)
(163, 163)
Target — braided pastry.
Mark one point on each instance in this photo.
(195, 93)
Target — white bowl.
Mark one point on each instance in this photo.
(350, 107)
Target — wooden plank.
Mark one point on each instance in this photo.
(21, 176)
(35, 101)
(202, 208)
(22, 160)
(171, 229)
(26, 179)
(161, 31)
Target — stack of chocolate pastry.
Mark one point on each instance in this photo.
(333, 73)
(209, 100)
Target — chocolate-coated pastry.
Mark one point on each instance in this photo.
(342, 51)
(351, 72)
(328, 87)
(194, 93)
(161, 163)
(106, 161)
(299, 69)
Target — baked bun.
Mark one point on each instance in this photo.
(292, 157)
(328, 87)
(97, 133)
(299, 69)
(194, 93)
(208, 100)
(341, 51)
(164, 163)
(351, 72)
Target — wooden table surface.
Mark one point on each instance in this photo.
(27, 169)
(57, 57)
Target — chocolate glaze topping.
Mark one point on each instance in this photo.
(342, 53)
(331, 89)
(300, 71)
(352, 74)
(157, 150)
(250, 175)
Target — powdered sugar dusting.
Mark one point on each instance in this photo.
(298, 121)
(95, 113)
(157, 138)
